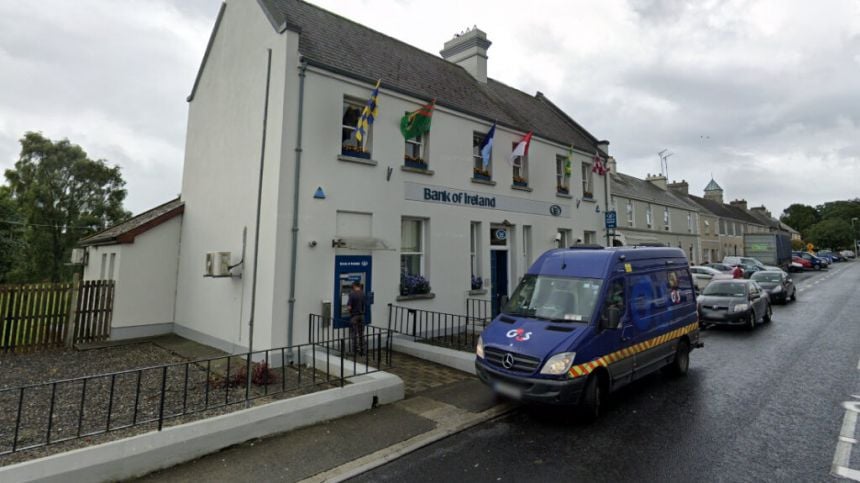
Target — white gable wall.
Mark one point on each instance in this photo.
(220, 178)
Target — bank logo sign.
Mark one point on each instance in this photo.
(473, 199)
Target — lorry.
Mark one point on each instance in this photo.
(769, 248)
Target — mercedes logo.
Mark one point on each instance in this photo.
(508, 361)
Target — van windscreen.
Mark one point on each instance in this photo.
(560, 299)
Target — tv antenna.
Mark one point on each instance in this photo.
(664, 162)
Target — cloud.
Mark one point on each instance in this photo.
(761, 93)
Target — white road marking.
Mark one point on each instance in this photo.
(846, 441)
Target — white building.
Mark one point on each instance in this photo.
(281, 85)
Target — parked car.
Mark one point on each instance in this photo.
(719, 266)
(817, 263)
(734, 302)
(799, 263)
(749, 264)
(826, 256)
(702, 276)
(848, 254)
(778, 285)
(585, 322)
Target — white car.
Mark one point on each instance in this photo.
(702, 276)
(847, 254)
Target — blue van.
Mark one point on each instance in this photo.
(586, 321)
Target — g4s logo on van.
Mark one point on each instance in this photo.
(519, 335)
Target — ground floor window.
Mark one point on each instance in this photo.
(475, 255)
(590, 237)
(412, 246)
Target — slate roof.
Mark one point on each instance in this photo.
(627, 186)
(725, 211)
(126, 231)
(339, 45)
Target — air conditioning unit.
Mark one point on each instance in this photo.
(217, 264)
(78, 256)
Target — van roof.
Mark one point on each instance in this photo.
(596, 263)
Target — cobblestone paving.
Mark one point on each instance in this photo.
(419, 375)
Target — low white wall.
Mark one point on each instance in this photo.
(139, 455)
(462, 361)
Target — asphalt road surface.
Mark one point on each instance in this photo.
(756, 406)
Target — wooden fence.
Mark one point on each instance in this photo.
(37, 316)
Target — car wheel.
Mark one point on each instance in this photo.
(768, 314)
(794, 295)
(681, 364)
(751, 320)
(591, 403)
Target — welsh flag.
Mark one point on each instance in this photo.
(522, 148)
(416, 123)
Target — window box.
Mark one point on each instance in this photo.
(522, 182)
(587, 194)
(414, 163)
(562, 190)
(477, 282)
(481, 174)
(354, 152)
(414, 285)
(423, 296)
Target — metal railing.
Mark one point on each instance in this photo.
(449, 330)
(53, 412)
(321, 330)
(479, 310)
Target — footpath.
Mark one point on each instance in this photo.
(439, 402)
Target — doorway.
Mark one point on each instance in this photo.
(499, 267)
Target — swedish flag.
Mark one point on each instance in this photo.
(367, 116)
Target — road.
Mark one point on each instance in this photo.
(755, 406)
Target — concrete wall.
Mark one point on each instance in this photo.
(220, 177)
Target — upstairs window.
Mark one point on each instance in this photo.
(479, 171)
(415, 155)
(667, 224)
(350, 146)
(562, 175)
(587, 181)
(521, 169)
(629, 212)
(648, 218)
(690, 222)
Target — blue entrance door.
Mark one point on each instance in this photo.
(498, 278)
(349, 269)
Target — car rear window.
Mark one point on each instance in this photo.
(726, 289)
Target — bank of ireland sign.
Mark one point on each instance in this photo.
(474, 199)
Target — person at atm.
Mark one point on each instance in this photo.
(356, 304)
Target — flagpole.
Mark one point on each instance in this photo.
(606, 201)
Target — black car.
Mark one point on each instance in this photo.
(734, 302)
(778, 285)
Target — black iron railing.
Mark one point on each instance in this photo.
(480, 310)
(321, 330)
(43, 414)
(449, 330)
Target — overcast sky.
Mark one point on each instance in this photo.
(763, 94)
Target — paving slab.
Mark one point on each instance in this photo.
(470, 394)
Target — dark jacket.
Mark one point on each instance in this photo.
(356, 302)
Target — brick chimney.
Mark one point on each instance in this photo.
(680, 187)
(741, 203)
(657, 180)
(468, 49)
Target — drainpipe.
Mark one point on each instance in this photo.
(606, 204)
(259, 203)
(295, 229)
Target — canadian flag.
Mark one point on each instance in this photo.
(522, 148)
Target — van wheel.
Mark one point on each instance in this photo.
(751, 321)
(768, 314)
(591, 403)
(681, 364)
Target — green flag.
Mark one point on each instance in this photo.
(417, 123)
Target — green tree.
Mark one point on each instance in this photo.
(800, 217)
(11, 233)
(832, 233)
(62, 195)
(844, 210)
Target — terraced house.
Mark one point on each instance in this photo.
(316, 130)
(650, 213)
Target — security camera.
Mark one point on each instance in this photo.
(558, 237)
(312, 243)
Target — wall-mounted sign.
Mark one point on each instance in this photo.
(611, 219)
(474, 199)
